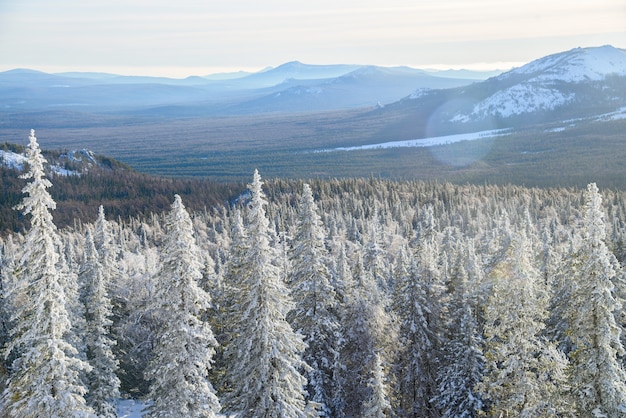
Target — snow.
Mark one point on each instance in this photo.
(12, 160)
(539, 90)
(80, 155)
(517, 100)
(617, 115)
(63, 171)
(421, 92)
(130, 408)
(16, 161)
(426, 142)
(580, 64)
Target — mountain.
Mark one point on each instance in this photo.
(580, 83)
(236, 93)
(82, 181)
(294, 70)
(366, 86)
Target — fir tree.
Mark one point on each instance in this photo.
(45, 380)
(185, 345)
(266, 353)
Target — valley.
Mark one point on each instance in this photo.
(556, 112)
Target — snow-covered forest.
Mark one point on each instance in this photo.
(333, 298)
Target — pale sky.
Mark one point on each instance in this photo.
(199, 37)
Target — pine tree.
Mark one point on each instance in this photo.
(266, 353)
(103, 383)
(185, 345)
(45, 380)
(597, 377)
(315, 302)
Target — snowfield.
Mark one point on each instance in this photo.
(517, 100)
(539, 92)
(130, 408)
(12, 160)
(581, 64)
(426, 142)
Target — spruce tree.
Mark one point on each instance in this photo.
(265, 374)
(597, 377)
(524, 373)
(378, 405)
(368, 333)
(45, 379)
(315, 314)
(185, 344)
(103, 383)
(462, 359)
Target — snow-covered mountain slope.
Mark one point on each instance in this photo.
(72, 163)
(12, 160)
(585, 76)
(576, 65)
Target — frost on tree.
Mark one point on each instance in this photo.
(368, 333)
(103, 383)
(462, 359)
(265, 375)
(597, 377)
(524, 373)
(315, 314)
(185, 345)
(46, 375)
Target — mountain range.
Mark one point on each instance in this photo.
(293, 86)
(280, 118)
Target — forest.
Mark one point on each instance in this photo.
(356, 297)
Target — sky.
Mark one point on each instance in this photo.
(200, 37)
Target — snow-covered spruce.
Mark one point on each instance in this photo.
(185, 345)
(265, 376)
(45, 378)
(315, 314)
(597, 376)
(103, 383)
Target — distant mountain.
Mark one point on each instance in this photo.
(365, 86)
(579, 83)
(294, 70)
(290, 87)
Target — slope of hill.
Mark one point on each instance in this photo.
(83, 181)
(579, 83)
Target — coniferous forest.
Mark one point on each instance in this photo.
(331, 298)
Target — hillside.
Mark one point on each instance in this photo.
(80, 187)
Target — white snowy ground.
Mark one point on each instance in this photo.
(426, 142)
(130, 408)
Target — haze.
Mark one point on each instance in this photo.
(178, 39)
